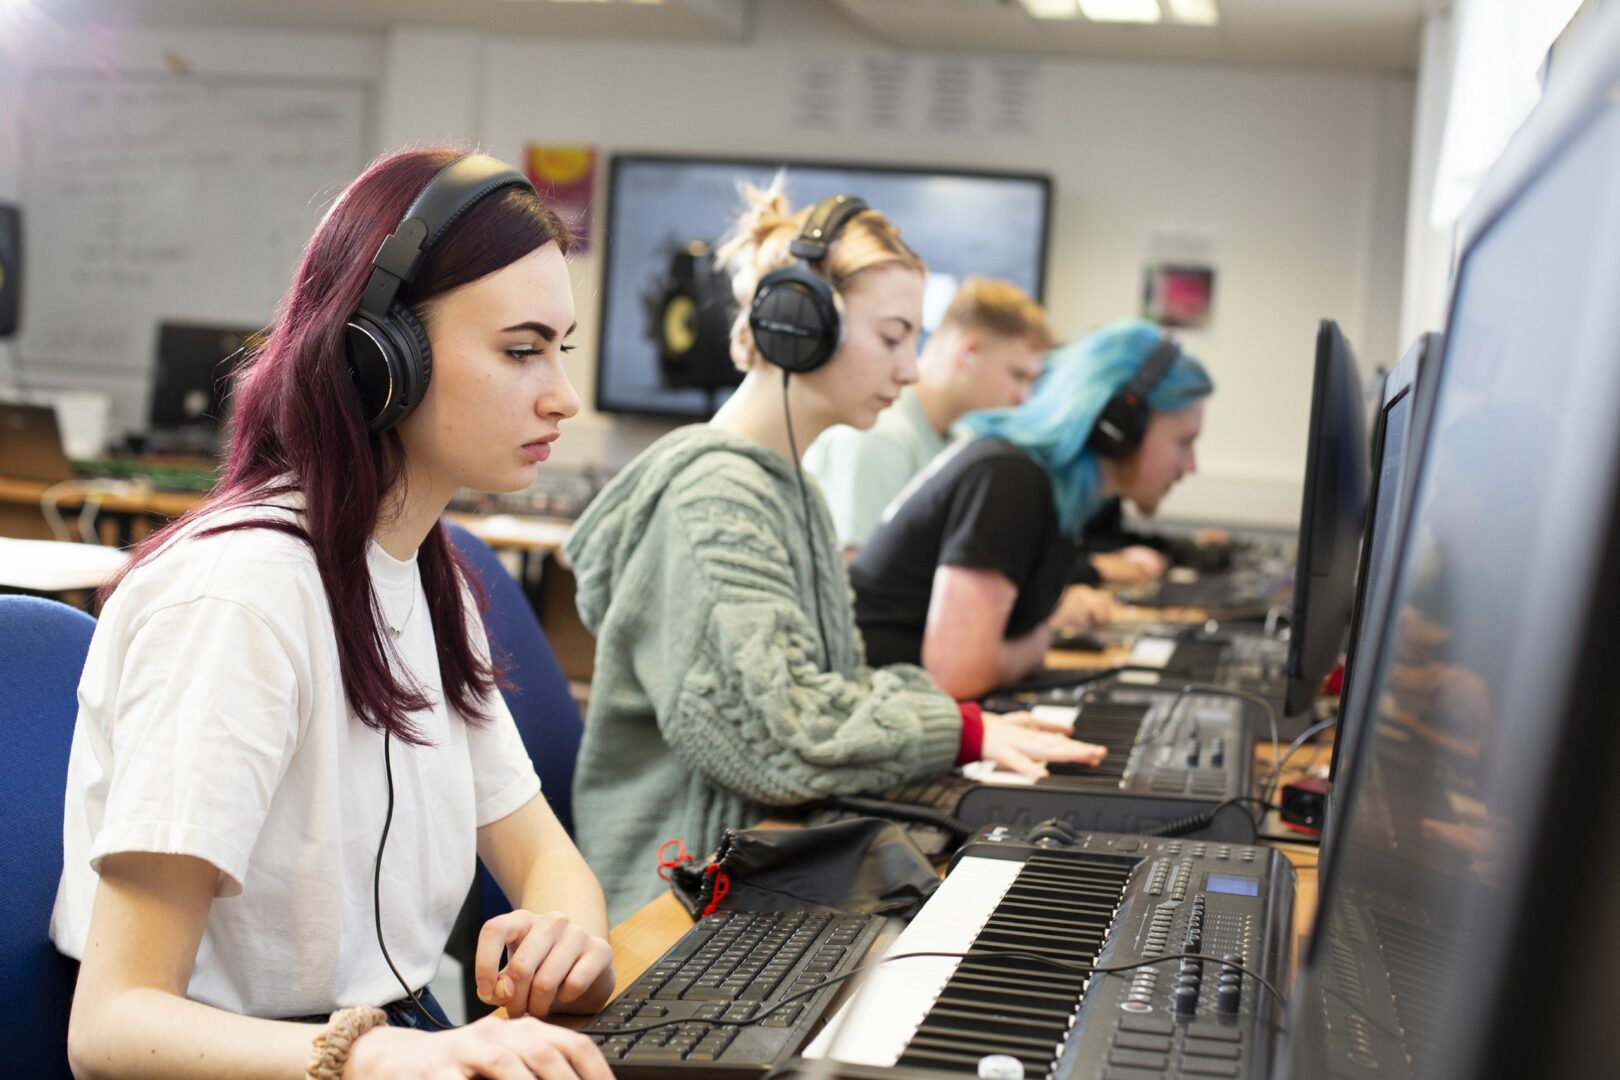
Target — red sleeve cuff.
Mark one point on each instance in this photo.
(972, 733)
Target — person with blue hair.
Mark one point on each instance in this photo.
(968, 575)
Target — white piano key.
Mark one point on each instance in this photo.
(887, 1006)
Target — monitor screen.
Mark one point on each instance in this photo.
(1330, 518)
(1390, 468)
(1407, 394)
(1465, 921)
(192, 376)
(660, 294)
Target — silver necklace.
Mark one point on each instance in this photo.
(400, 629)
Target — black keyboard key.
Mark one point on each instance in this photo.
(656, 1054)
(726, 968)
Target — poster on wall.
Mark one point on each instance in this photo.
(1178, 296)
(565, 177)
(1178, 275)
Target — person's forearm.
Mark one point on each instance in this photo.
(1021, 656)
(560, 881)
(140, 1033)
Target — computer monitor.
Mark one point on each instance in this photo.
(1329, 519)
(191, 383)
(1467, 927)
(1405, 396)
(663, 348)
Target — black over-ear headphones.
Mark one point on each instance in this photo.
(1119, 430)
(794, 314)
(387, 346)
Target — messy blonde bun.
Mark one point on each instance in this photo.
(759, 243)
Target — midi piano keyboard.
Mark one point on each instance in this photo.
(1170, 757)
(1015, 907)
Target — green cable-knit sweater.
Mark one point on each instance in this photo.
(711, 702)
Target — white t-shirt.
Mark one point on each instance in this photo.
(212, 722)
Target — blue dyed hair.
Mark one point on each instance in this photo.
(1053, 425)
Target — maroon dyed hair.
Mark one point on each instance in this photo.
(298, 426)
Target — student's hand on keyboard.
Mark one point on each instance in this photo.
(491, 1047)
(1084, 608)
(1023, 743)
(1134, 565)
(552, 964)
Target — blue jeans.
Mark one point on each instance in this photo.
(401, 1013)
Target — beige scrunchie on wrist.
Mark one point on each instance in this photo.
(332, 1044)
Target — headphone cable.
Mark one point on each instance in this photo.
(809, 525)
(376, 890)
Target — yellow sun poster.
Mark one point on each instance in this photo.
(565, 177)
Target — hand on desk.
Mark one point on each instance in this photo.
(1134, 565)
(1084, 608)
(492, 1047)
(1023, 743)
(552, 965)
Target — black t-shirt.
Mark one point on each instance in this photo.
(990, 507)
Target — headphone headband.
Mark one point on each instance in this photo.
(1153, 369)
(453, 191)
(821, 228)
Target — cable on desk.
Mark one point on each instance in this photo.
(1304, 737)
(1193, 822)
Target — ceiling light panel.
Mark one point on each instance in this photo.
(1194, 12)
(1051, 9)
(1121, 11)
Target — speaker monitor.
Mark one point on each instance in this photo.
(11, 271)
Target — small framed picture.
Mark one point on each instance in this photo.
(1178, 294)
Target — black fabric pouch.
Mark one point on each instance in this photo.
(860, 865)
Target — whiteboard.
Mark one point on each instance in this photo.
(167, 198)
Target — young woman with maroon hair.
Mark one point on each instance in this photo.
(296, 670)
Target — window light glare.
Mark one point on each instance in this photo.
(1135, 11)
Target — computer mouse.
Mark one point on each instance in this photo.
(1078, 641)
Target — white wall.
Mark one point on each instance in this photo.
(1300, 179)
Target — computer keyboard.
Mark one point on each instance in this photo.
(714, 995)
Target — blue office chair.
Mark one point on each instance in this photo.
(42, 649)
(547, 719)
(546, 713)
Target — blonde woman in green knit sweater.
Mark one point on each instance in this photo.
(730, 677)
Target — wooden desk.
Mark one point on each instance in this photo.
(140, 507)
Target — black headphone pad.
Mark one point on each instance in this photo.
(390, 361)
(1120, 428)
(416, 356)
(795, 319)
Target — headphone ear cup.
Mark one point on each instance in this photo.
(390, 362)
(417, 356)
(1118, 431)
(795, 320)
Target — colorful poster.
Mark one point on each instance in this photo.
(565, 176)
(1178, 296)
